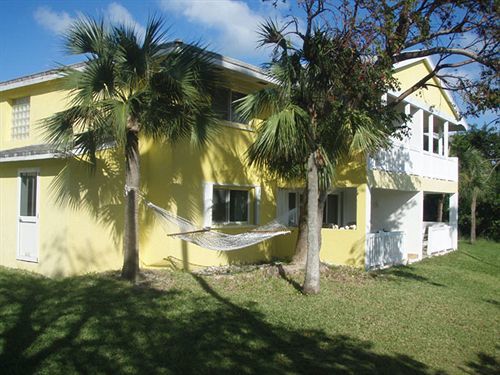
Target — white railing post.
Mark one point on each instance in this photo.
(431, 133)
(445, 134)
(454, 219)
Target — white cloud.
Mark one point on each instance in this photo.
(117, 14)
(234, 22)
(57, 22)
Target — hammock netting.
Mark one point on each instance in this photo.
(213, 240)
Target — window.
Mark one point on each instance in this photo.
(20, 118)
(27, 206)
(291, 200)
(224, 104)
(331, 210)
(230, 205)
(294, 200)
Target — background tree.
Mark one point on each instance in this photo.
(478, 151)
(132, 86)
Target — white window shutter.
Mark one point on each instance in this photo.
(257, 191)
(208, 189)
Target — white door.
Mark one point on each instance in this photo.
(27, 244)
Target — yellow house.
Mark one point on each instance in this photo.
(56, 218)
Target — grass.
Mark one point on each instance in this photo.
(439, 316)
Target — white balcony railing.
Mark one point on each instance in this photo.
(384, 249)
(401, 159)
(439, 237)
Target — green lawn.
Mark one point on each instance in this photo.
(441, 315)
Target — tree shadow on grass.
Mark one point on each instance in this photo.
(97, 324)
(403, 272)
(484, 365)
(479, 259)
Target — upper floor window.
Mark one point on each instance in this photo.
(20, 118)
(224, 104)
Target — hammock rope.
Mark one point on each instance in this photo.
(213, 240)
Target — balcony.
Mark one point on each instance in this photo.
(402, 159)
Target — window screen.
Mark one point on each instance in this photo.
(28, 194)
(221, 103)
(219, 206)
(238, 206)
(331, 211)
(229, 206)
(235, 117)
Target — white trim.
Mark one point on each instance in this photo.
(33, 80)
(18, 216)
(430, 65)
(241, 67)
(446, 139)
(420, 105)
(49, 155)
(219, 60)
(430, 134)
(208, 188)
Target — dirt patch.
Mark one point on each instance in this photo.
(159, 279)
(287, 271)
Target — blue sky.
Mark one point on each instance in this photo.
(30, 30)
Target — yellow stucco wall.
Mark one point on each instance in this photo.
(70, 238)
(45, 100)
(399, 181)
(81, 214)
(431, 96)
(347, 246)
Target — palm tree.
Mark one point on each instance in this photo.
(314, 118)
(475, 171)
(132, 86)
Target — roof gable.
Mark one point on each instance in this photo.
(410, 72)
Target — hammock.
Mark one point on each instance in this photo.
(213, 240)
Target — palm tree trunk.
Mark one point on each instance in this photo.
(299, 259)
(321, 208)
(440, 208)
(130, 270)
(311, 282)
(473, 216)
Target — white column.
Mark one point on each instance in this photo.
(431, 133)
(368, 209)
(367, 215)
(445, 139)
(440, 142)
(418, 129)
(454, 219)
(419, 198)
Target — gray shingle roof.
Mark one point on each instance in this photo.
(39, 150)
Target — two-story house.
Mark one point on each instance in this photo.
(56, 218)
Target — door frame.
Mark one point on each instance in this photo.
(18, 216)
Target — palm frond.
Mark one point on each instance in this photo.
(260, 104)
(88, 36)
(281, 140)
